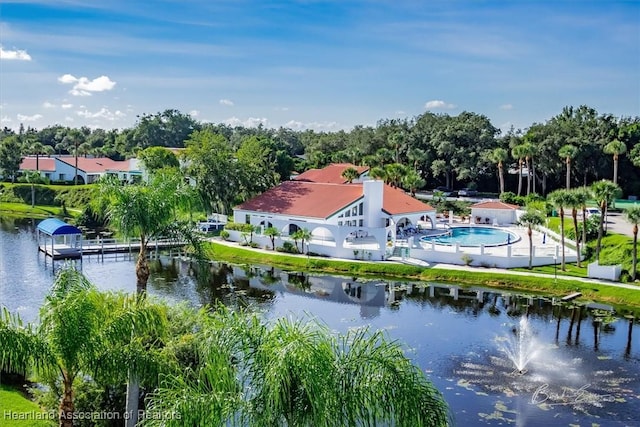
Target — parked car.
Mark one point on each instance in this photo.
(593, 211)
(467, 192)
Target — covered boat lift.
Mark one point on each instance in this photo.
(59, 240)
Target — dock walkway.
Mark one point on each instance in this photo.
(60, 251)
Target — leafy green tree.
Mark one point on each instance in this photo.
(395, 173)
(498, 156)
(378, 172)
(296, 373)
(213, 165)
(350, 174)
(10, 157)
(561, 199)
(615, 148)
(272, 233)
(77, 326)
(155, 158)
(568, 152)
(533, 217)
(604, 192)
(303, 235)
(32, 177)
(633, 216)
(256, 166)
(583, 195)
(171, 128)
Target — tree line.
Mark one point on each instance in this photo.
(574, 148)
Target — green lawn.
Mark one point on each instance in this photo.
(21, 209)
(14, 405)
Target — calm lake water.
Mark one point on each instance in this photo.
(585, 372)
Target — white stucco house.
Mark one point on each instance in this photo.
(494, 212)
(346, 220)
(90, 169)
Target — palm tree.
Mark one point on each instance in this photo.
(74, 138)
(576, 200)
(412, 181)
(561, 199)
(583, 195)
(350, 174)
(272, 233)
(378, 172)
(519, 152)
(303, 235)
(146, 211)
(77, 324)
(530, 150)
(568, 152)
(604, 192)
(395, 173)
(615, 148)
(498, 156)
(32, 177)
(296, 373)
(533, 217)
(633, 216)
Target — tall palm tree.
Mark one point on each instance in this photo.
(296, 373)
(303, 235)
(395, 173)
(575, 201)
(568, 152)
(604, 192)
(615, 148)
(378, 172)
(77, 324)
(530, 151)
(583, 195)
(561, 199)
(519, 152)
(73, 138)
(633, 216)
(533, 217)
(498, 156)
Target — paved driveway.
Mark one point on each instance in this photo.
(617, 223)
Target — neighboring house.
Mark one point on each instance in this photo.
(494, 212)
(90, 169)
(344, 219)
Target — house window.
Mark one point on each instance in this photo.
(62, 177)
(339, 223)
(47, 175)
(341, 215)
(247, 219)
(354, 211)
(347, 214)
(360, 207)
(361, 223)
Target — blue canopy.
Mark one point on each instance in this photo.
(57, 227)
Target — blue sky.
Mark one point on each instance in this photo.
(325, 65)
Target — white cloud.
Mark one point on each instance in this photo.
(400, 113)
(82, 86)
(24, 118)
(506, 107)
(68, 119)
(5, 119)
(297, 125)
(104, 113)
(251, 122)
(47, 104)
(66, 106)
(16, 55)
(227, 102)
(438, 103)
(194, 113)
(282, 108)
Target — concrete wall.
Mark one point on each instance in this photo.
(607, 272)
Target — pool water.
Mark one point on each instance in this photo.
(474, 236)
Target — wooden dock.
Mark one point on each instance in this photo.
(102, 247)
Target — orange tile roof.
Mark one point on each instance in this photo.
(97, 164)
(47, 164)
(495, 205)
(396, 202)
(299, 198)
(321, 200)
(331, 174)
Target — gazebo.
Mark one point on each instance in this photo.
(59, 240)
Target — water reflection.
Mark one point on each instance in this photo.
(450, 331)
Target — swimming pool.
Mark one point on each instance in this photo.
(474, 236)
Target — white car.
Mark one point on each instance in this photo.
(593, 211)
